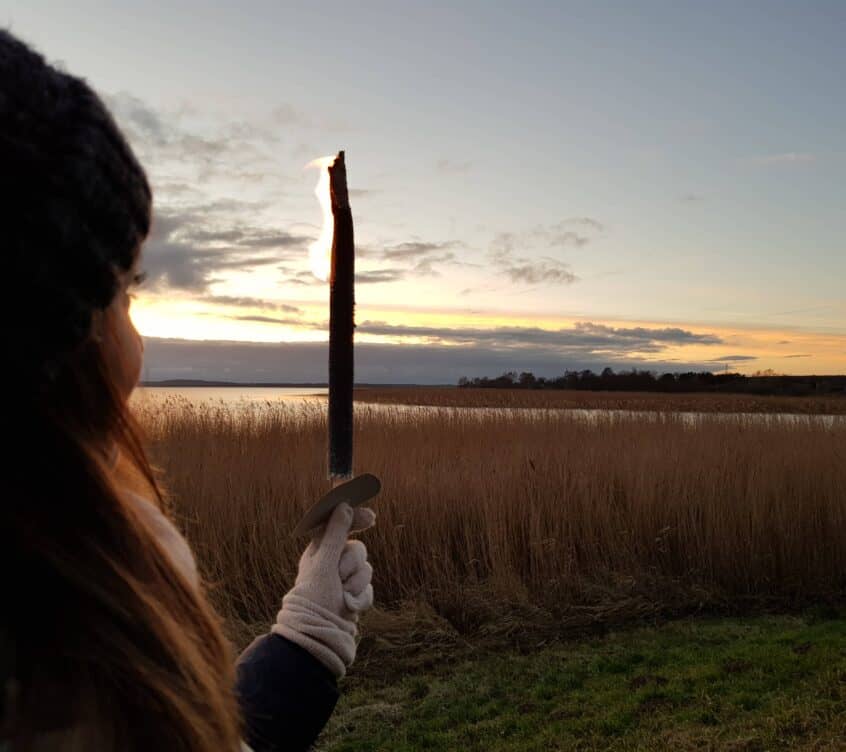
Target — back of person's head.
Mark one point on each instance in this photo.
(103, 640)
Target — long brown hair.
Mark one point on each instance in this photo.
(104, 641)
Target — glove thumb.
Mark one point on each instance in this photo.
(330, 542)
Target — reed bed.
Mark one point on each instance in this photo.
(503, 519)
(567, 399)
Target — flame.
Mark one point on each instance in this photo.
(320, 251)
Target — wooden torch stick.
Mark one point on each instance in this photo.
(365, 487)
(341, 326)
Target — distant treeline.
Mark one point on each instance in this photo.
(650, 381)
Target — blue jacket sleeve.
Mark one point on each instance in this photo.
(286, 695)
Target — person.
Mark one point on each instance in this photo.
(107, 641)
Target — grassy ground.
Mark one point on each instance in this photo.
(765, 683)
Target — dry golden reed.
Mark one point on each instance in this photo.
(490, 513)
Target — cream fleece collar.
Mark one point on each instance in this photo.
(168, 536)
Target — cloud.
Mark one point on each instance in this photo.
(204, 167)
(535, 272)
(582, 339)
(586, 222)
(414, 250)
(509, 252)
(408, 259)
(379, 275)
(243, 302)
(161, 136)
(208, 150)
(301, 362)
(522, 269)
(427, 266)
(244, 237)
(561, 234)
(413, 258)
(569, 238)
(692, 197)
(139, 121)
(189, 246)
(193, 132)
(453, 166)
(784, 158)
(733, 359)
(179, 190)
(803, 355)
(196, 234)
(304, 278)
(268, 320)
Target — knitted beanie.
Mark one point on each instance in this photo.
(75, 208)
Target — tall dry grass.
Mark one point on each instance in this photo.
(499, 517)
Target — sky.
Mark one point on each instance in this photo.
(535, 186)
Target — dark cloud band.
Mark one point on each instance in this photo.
(294, 362)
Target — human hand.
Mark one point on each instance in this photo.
(333, 571)
(333, 586)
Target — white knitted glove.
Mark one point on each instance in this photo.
(320, 612)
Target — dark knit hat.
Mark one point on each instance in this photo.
(75, 208)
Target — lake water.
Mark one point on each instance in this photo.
(251, 396)
(234, 395)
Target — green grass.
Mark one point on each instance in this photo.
(758, 684)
